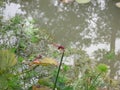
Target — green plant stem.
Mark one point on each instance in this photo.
(91, 87)
(58, 71)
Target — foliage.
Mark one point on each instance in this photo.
(20, 38)
(87, 75)
(90, 80)
(7, 63)
(110, 55)
(9, 82)
(7, 60)
(22, 35)
(45, 62)
(103, 68)
(63, 79)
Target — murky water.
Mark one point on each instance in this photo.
(92, 27)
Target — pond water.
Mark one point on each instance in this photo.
(92, 27)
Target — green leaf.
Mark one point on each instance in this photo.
(110, 55)
(34, 39)
(102, 68)
(20, 58)
(22, 45)
(13, 50)
(66, 68)
(82, 1)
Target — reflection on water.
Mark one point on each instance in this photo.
(11, 10)
(91, 26)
